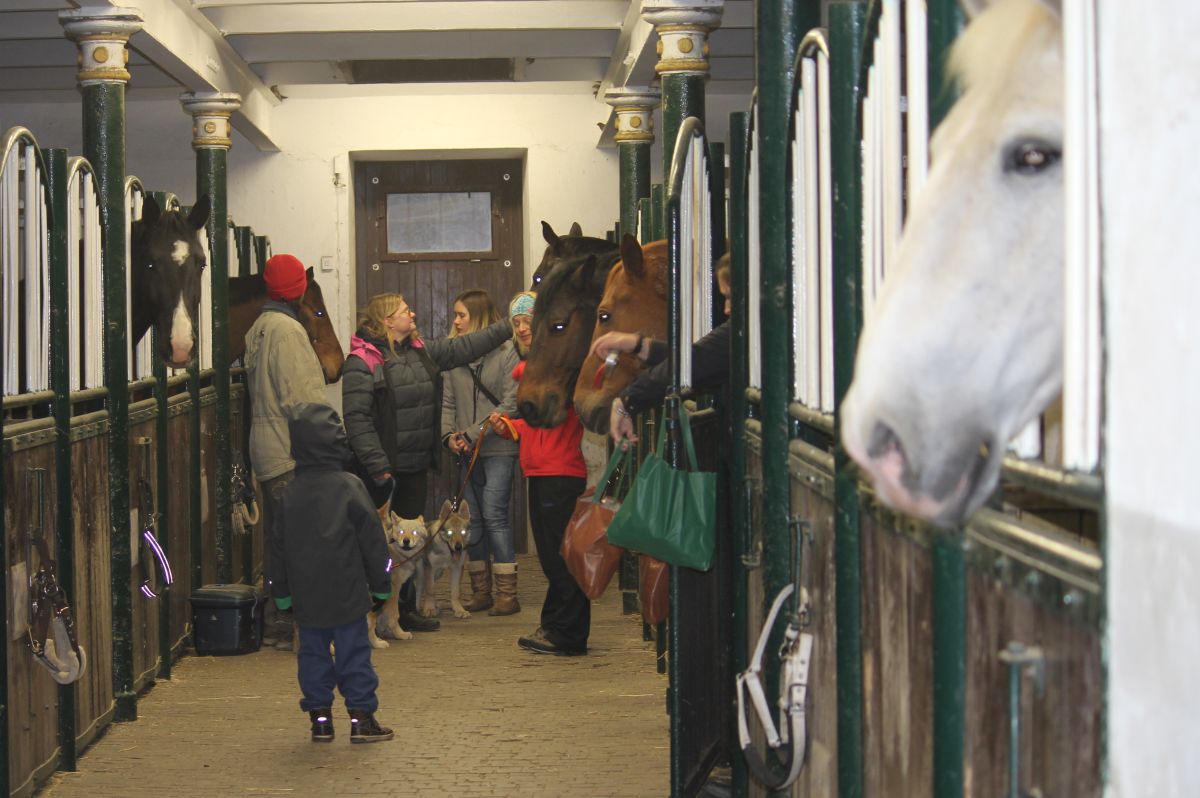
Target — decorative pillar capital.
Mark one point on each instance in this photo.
(635, 112)
(210, 112)
(102, 35)
(683, 28)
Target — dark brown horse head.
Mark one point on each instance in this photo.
(165, 265)
(560, 248)
(563, 318)
(634, 300)
(247, 295)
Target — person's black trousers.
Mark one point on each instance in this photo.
(567, 612)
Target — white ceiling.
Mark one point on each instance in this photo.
(271, 49)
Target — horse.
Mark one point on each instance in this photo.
(166, 261)
(563, 318)
(247, 295)
(559, 248)
(964, 346)
(634, 300)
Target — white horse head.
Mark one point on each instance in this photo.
(964, 345)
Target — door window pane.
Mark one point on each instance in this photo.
(443, 222)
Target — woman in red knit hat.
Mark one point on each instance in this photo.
(282, 371)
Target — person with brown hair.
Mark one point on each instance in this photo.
(471, 393)
(391, 409)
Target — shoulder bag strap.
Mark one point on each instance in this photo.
(483, 388)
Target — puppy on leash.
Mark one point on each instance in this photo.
(448, 551)
(407, 547)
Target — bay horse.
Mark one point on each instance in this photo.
(563, 318)
(559, 248)
(965, 345)
(247, 295)
(634, 300)
(166, 261)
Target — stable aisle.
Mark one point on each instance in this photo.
(474, 716)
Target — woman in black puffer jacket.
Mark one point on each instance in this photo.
(388, 353)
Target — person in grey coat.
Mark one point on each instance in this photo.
(330, 569)
(282, 371)
(471, 393)
(391, 410)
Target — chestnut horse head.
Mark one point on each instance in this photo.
(563, 318)
(166, 261)
(560, 248)
(634, 300)
(247, 295)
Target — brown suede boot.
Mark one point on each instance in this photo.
(506, 589)
(481, 586)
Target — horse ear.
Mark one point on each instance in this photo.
(199, 213)
(150, 212)
(309, 272)
(631, 256)
(589, 269)
(576, 230)
(549, 234)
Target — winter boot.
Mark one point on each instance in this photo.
(481, 585)
(322, 725)
(365, 729)
(506, 589)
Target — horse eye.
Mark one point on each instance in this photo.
(320, 314)
(537, 278)
(604, 316)
(1032, 157)
(558, 327)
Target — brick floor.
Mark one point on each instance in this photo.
(474, 716)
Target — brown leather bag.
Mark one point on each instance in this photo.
(654, 593)
(590, 558)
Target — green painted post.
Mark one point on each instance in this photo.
(847, 25)
(101, 35)
(657, 221)
(779, 27)
(645, 220)
(949, 569)
(634, 108)
(162, 488)
(210, 139)
(60, 382)
(739, 379)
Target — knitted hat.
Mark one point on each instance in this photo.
(285, 278)
(522, 305)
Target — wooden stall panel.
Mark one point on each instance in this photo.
(1060, 722)
(142, 448)
(93, 581)
(33, 695)
(819, 777)
(177, 533)
(897, 613)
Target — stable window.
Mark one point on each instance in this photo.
(440, 222)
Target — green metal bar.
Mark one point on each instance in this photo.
(847, 24)
(244, 239)
(657, 218)
(645, 220)
(60, 384)
(104, 147)
(944, 21)
(262, 249)
(682, 96)
(162, 501)
(211, 180)
(634, 180)
(196, 538)
(779, 27)
(739, 378)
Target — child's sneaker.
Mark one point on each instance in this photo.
(322, 725)
(365, 729)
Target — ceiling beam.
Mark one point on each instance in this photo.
(349, 17)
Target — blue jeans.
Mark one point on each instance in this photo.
(488, 493)
(349, 668)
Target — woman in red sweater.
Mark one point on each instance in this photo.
(553, 463)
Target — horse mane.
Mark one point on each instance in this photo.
(244, 289)
(991, 49)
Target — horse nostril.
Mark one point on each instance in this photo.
(528, 410)
(883, 439)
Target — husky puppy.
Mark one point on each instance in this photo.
(406, 539)
(449, 550)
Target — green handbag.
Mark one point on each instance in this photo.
(669, 514)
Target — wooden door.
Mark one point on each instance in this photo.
(430, 230)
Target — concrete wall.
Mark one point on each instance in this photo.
(1149, 132)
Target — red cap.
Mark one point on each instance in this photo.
(285, 278)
